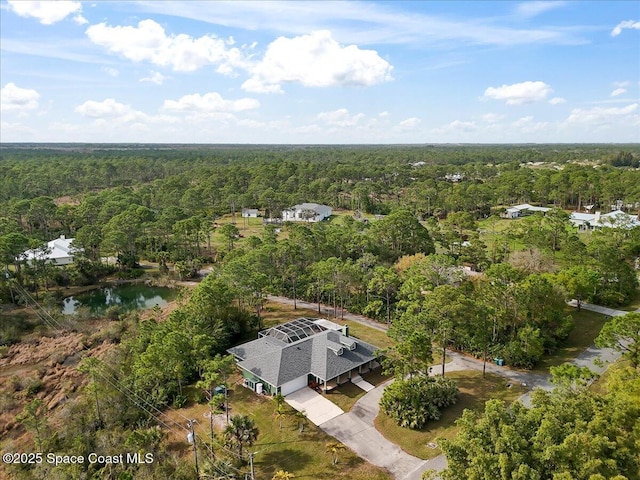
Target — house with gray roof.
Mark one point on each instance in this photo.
(60, 251)
(523, 210)
(615, 219)
(306, 212)
(305, 351)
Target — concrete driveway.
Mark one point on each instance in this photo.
(356, 430)
(318, 409)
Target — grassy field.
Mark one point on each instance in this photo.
(474, 392)
(303, 454)
(253, 227)
(586, 328)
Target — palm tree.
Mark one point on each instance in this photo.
(280, 413)
(333, 448)
(279, 399)
(302, 420)
(241, 432)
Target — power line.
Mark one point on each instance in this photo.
(119, 385)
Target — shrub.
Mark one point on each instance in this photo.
(199, 397)
(526, 350)
(180, 401)
(113, 312)
(415, 401)
(33, 386)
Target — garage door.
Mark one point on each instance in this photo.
(293, 385)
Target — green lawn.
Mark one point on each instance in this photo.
(303, 454)
(586, 328)
(347, 394)
(474, 392)
(249, 227)
(500, 226)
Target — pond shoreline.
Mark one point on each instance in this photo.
(124, 295)
(106, 283)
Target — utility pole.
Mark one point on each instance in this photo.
(253, 477)
(226, 400)
(192, 439)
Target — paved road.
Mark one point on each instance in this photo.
(356, 429)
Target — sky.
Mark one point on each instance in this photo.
(314, 72)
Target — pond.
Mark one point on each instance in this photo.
(128, 297)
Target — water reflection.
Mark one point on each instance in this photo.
(127, 297)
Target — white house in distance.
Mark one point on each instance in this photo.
(58, 252)
(523, 210)
(250, 212)
(591, 221)
(306, 212)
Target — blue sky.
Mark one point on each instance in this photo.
(320, 72)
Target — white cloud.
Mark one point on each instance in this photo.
(47, 13)
(154, 77)
(14, 98)
(457, 126)
(257, 86)
(618, 91)
(622, 84)
(557, 100)
(111, 110)
(519, 93)
(631, 24)
(527, 125)
(316, 60)
(80, 20)
(340, 118)
(112, 72)
(492, 117)
(210, 102)
(533, 8)
(604, 115)
(409, 123)
(149, 42)
(245, 122)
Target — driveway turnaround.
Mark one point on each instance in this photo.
(318, 409)
(356, 430)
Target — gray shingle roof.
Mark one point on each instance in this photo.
(277, 362)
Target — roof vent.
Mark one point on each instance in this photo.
(335, 348)
(350, 343)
